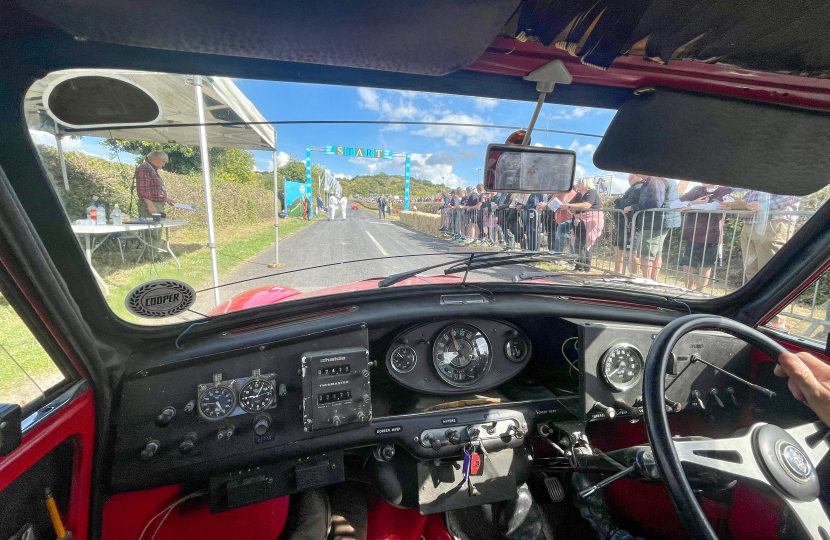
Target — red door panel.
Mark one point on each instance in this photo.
(73, 423)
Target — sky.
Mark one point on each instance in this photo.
(443, 154)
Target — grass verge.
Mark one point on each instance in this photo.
(236, 244)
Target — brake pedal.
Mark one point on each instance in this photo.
(555, 490)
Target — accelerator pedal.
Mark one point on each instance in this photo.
(556, 491)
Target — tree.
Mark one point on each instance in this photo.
(230, 164)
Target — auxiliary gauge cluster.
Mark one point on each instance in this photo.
(442, 358)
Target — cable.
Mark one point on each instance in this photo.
(168, 510)
(568, 360)
(679, 302)
(186, 329)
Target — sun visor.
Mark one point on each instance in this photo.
(721, 141)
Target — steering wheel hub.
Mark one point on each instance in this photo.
(786, 462)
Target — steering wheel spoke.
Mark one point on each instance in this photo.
(812, 517)
(732, 457)
(814, 439)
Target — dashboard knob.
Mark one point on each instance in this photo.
(261, 424)
(150, 449)
(435, 444)
(384, 452)
(453, 437)
(166, 416)
(696, 399)
(609, 412)
(731, 392)
(283, 391)
(187, 445)
(633, 412)
(673, 406)
(713, 393)
(473, 433)
(336, 421)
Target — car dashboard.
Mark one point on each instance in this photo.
(271, 409)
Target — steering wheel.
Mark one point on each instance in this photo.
(783, 460)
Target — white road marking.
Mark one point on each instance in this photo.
(377, 244)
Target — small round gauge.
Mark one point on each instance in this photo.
(516, 349)
(403, 359)
(256, 396)
(622, 366)
(462, 355)
(216, 402)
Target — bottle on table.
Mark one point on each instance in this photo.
(91, 211)
(101, 215)
(116, 215)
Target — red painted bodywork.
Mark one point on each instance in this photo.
(75, 422)
(260, 296)
(516, 59)
(126, 514)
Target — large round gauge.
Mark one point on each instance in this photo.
(622, 366)
(403, 359)
(462, 355)
(256, 396)
(216, 402)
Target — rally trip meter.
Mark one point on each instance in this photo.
(462, 355)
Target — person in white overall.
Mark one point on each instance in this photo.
(343, 202)
(332, 207)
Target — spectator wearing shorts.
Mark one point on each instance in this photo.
(558, 228)
(702, 232)
(649, 234)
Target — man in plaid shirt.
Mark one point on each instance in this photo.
(152, 195)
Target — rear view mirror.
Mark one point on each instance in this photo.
(528, 169)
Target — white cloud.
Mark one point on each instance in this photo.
(485, 104)
(437, 168)
(585, 150)
(47, 139)
(369, 99)
(282, 159)
(392, 105)
(580, 172)
(455, 135)
(539, 144)
(573, 112)
(341, 176)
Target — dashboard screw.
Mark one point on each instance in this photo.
(416, 439)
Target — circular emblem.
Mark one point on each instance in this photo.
(794, 462)
(302, 188)
(160, 298)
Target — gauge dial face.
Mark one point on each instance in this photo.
(622, 366)
(403, 359)
(462, 355)
(216, 402)
(257, 395)
(516, 349)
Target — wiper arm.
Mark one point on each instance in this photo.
(506, 259)
(475, 261)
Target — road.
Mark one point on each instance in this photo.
(361, 236)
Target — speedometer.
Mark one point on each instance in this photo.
(622, 366)
(462, 355)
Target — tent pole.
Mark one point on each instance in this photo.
(203, 148)
(276, 207)
(60, 157)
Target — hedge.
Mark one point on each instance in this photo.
(233, 203)
(428, 223)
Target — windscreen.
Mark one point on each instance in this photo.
(244, 193)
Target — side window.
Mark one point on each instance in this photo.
(808, 315)
(26, 370)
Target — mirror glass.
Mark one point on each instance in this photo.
(528, 169)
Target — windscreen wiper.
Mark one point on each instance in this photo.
(476, 261)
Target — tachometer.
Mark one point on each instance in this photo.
(622, 366)
(404, 359)
(256, 396)
(216, 402)
(462, 355)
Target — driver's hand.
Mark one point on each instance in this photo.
(809, 381)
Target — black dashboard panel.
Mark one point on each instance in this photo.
(425, 373)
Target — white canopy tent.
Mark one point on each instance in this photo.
(182, 99)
